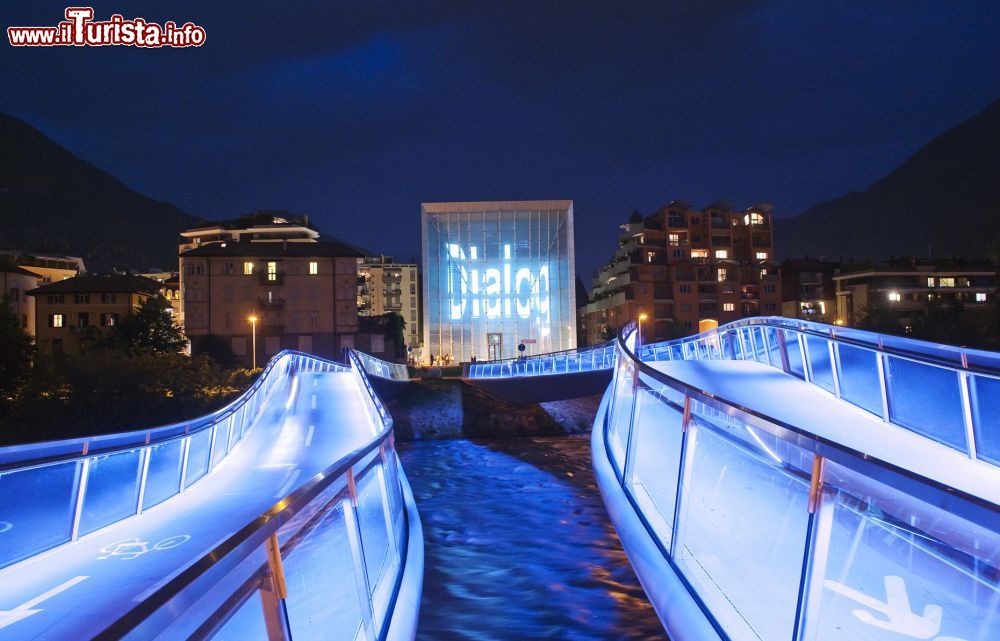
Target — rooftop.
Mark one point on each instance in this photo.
(321, 249)
(263, 218)
(100, 283)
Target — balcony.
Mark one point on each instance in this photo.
(273, 303)
(272, 278)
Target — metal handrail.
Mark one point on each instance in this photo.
(383, 369)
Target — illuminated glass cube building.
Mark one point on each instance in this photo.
(497, 275)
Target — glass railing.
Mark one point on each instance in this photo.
(326, 562)
(583, 359)
(781, 535)
(63, 490)
(948, 394)
(383, 369)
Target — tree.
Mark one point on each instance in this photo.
(876, 316)
(151, 328)
(16, 349)
(216, 348)
(395, 324)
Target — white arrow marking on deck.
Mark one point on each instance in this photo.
(26, 609)
(899, 617)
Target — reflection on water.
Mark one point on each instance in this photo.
(518, 545)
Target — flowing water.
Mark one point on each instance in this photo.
(518, 544)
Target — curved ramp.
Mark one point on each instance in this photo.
(306, 525)
(756, 504)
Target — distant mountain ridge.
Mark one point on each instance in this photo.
(943, 201)
(52, 201)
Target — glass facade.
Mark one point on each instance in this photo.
(497, 275)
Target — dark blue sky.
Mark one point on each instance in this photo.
(355, 112)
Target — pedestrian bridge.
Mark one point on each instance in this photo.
(769, 480)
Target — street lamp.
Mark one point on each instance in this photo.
(253, 344)
(638, 340)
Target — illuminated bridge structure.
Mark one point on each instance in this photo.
(779, 480)
(771, 480)
(284, 515)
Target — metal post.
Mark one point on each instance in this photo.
(81, 494)
(688, 440)
(358, 556)
(835, 366)
(883, 384)
(964, 384)
(817, 550)
(273, 594)
(146, 452)
(185, 452)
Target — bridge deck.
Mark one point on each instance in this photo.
(784, 397)
(75, 590)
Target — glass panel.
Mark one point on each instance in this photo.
(794, 353)
(246, 623)
(221, 441)
(774, 349)
(198, 452)
(36, 512)
(986, 416)
(657, 452)
(371, 517)
(760, 347)
(163, 478)
(323, 598)
(742, 534)
(112, 490)
(859, 382)
(819, 362)
(927, 400)
(897, 568)
(621, 415)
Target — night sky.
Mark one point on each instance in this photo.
(355, 112)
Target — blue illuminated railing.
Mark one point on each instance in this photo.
(383, 369)
(66, 489)
(584, 359)
(948, 394)
(773, 533)
(326, 561)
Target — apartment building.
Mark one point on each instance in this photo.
(70, 313)
(808, 289)
(688, 270)
(15, 283)
(50, 268)
(905, 287)
(388, 287)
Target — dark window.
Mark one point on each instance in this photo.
(108, 298)
(82, 299)
(83, 319)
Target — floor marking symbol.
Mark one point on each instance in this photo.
(131, 549)
(26, 609)
(899, 617)
(314, 401)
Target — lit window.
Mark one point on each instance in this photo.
(729, 307)
(722, 253)
(248, 268)
(930, 281)
(272, 270)
(761, 255)
(722, 275)
(313, 267)
(980, 297)
(763, 273)
(675, 239)
(699, 253)
(55, 320)
(946, 282)
(753, 218)
(895, 296)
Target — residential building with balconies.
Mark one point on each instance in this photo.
(905, 288)
(303, 295)
(687, 270)
(387, 287)
(808, 289)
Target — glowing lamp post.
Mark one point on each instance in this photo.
(253, 340)
(638, 340)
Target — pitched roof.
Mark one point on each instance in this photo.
(99, 283)
(289, 249)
